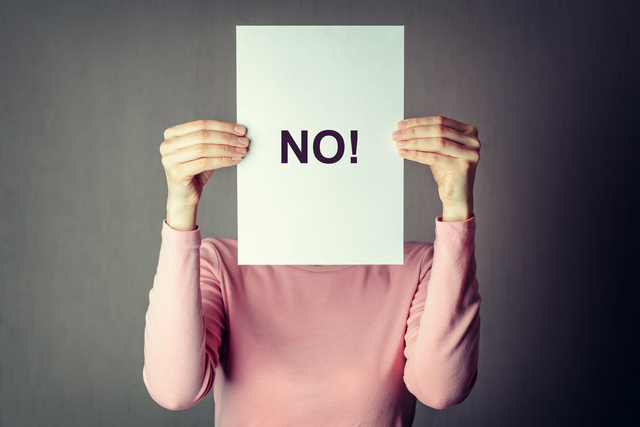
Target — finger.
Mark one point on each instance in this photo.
(202, 137)
(204, 124)
(435, 120)
(195, 167)
(429, 158)
(436, 131)
(436, 126)
(438, 145)
(198, 151)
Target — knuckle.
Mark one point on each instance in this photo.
(441, 129)
(202, 124)
(178, 175)
(433, 157)
(173, 173)
(200, 148)
(227, 137)
(202, 162)
(439, 120)
(201, 135)
(441, 142)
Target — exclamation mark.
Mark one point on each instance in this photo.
(354, 145)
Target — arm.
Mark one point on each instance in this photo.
(185, 322)
(443, 329)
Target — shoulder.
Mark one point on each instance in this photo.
(224, 250)
(222, 244)
(418, 256)
(413, 249)
(219, 250)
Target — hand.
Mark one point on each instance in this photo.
(449, 147)
(192, 151)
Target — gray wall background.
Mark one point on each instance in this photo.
(88, 88)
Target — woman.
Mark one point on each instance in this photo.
(341, 345)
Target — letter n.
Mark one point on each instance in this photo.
(287, 140)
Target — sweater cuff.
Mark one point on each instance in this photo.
(455, 228)
(192, 238)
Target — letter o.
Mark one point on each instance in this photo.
(316, 146)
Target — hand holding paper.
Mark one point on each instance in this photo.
(452, 150)
(192, 151)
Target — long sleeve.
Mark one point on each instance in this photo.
(443, 328)
(184, 323)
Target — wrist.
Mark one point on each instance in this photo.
(457, 212)
(182, 218)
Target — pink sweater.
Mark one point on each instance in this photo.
(292, 345)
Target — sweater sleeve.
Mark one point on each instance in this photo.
(185, 321)
(443, 329)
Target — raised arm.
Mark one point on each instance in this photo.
(443, 330)
(185, 323)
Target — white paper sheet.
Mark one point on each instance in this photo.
(320, 78)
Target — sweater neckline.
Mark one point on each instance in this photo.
(316, 268)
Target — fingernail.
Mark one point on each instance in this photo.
(236, 158)
(239, 129)
(401, 143)
(240, 150)
(397, 134)
(243, 140)
(403, 124)
(403, 152)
